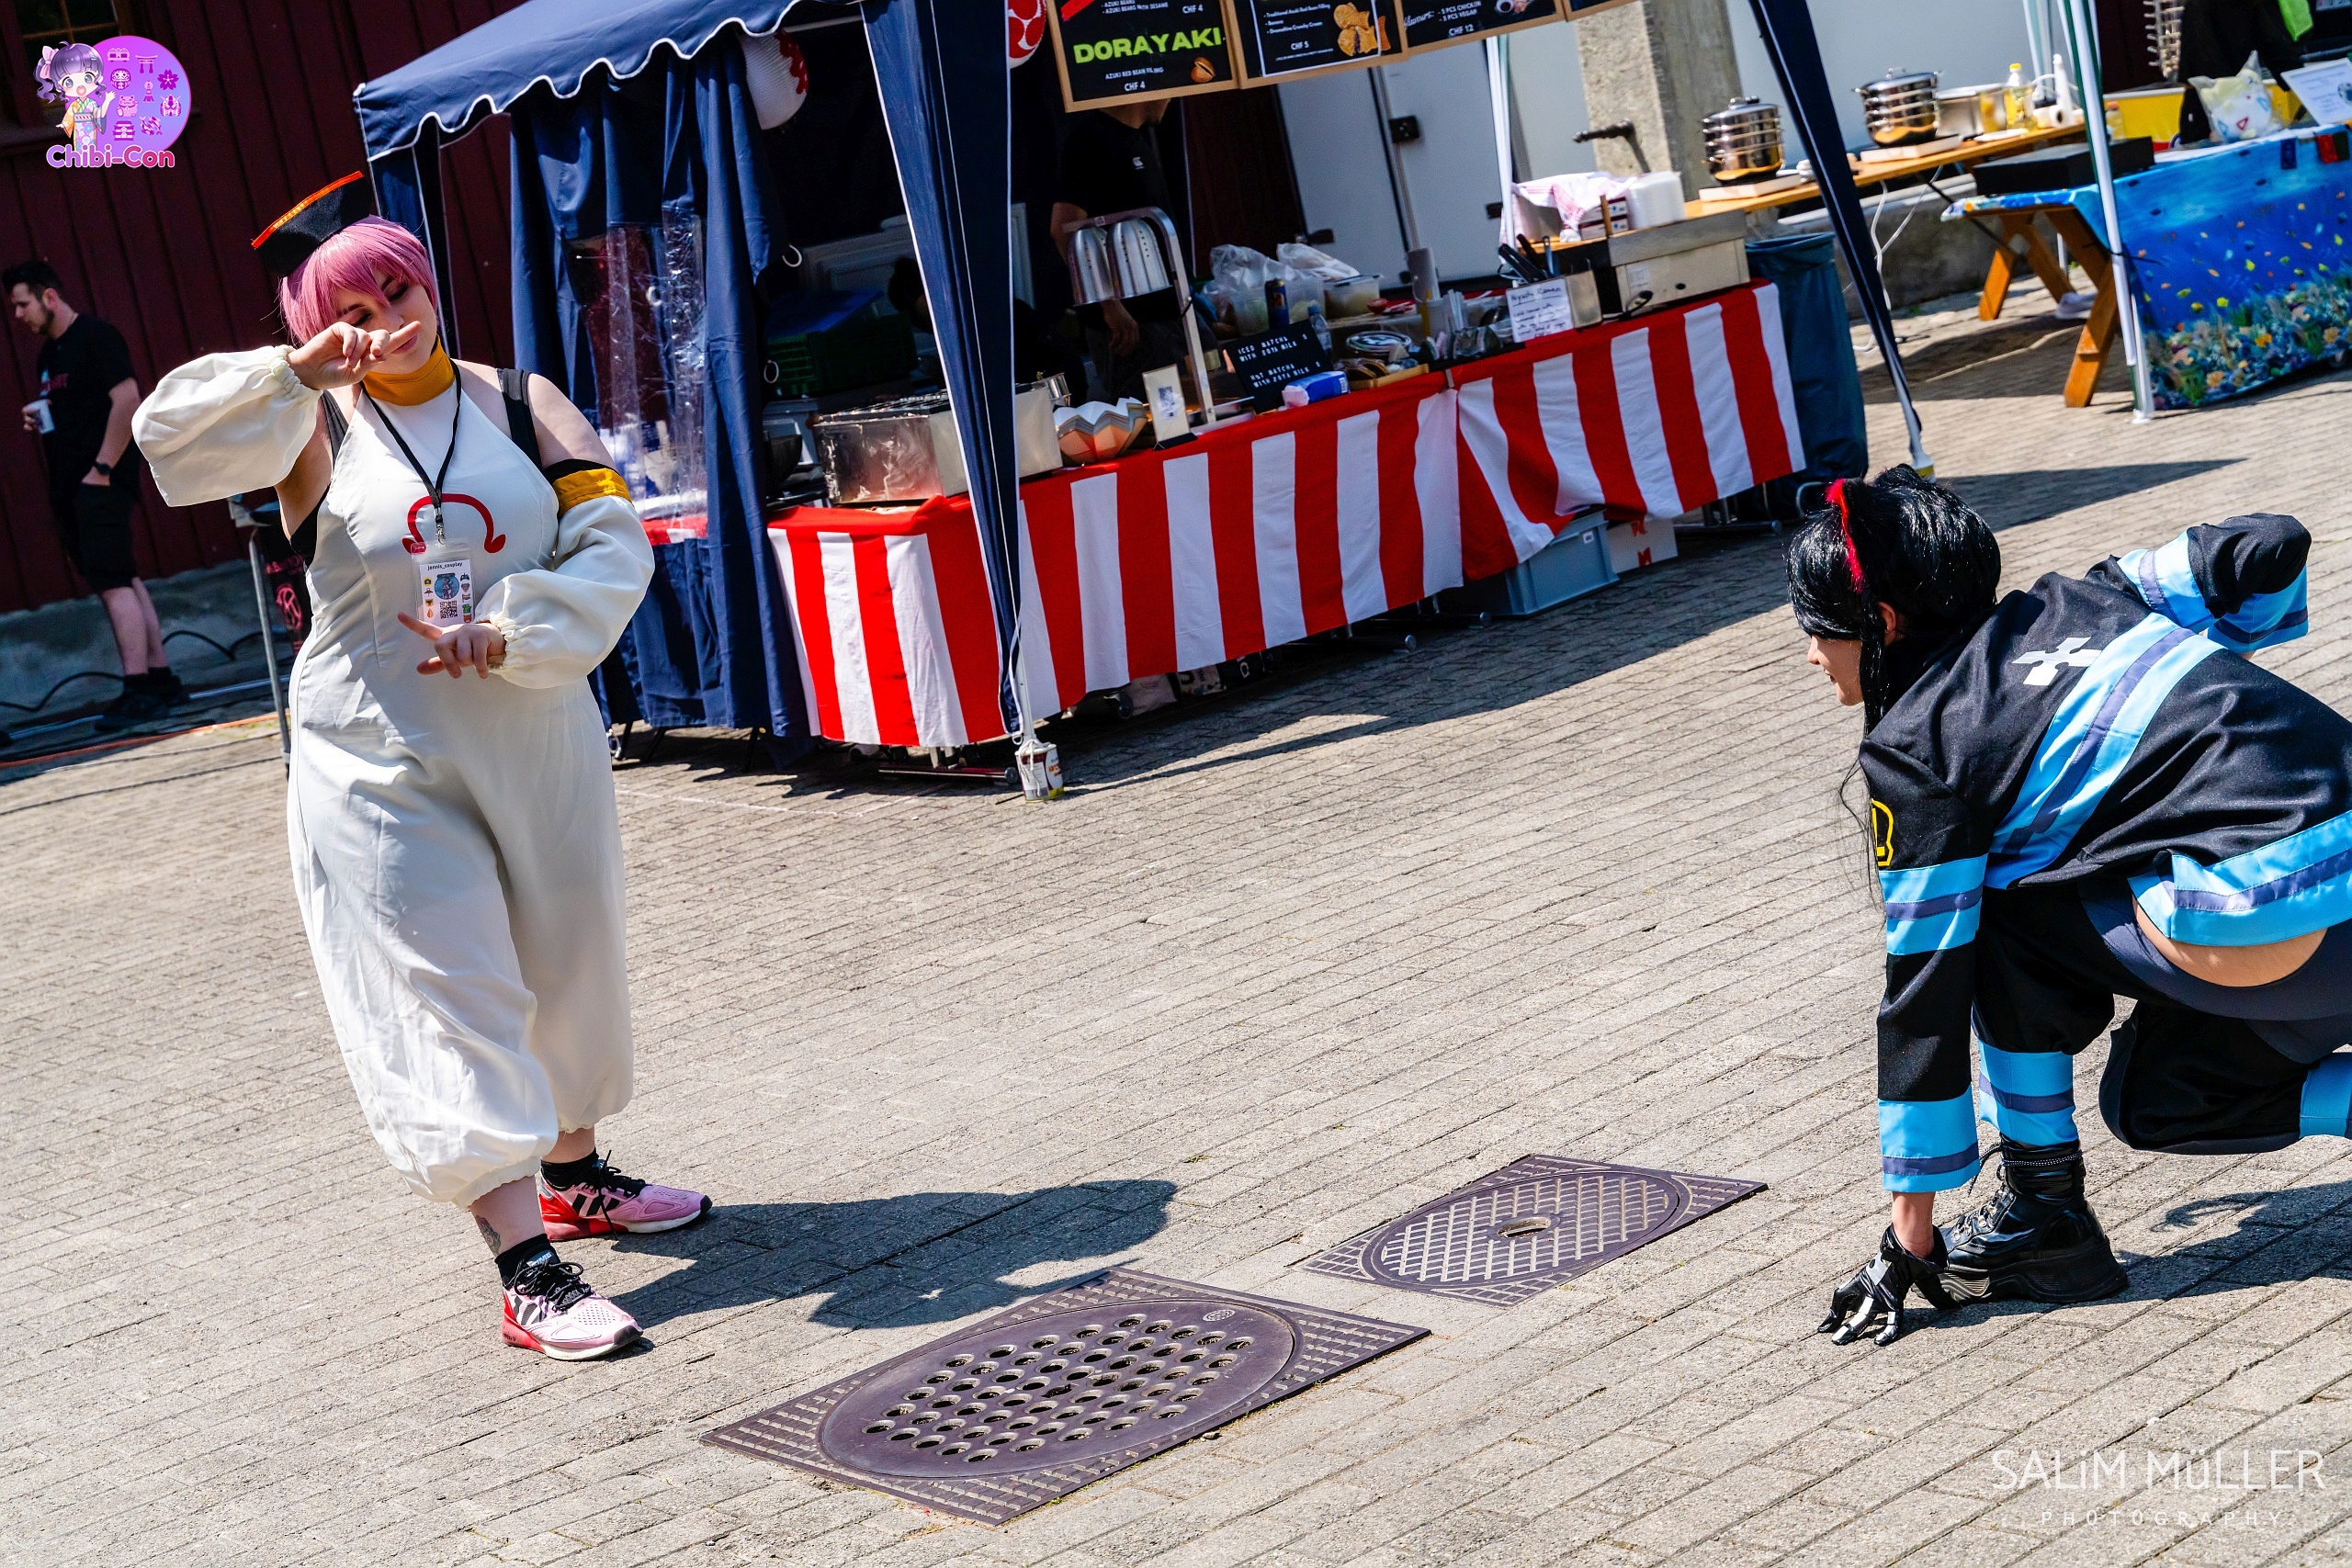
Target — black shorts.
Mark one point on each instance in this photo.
(2196, 1069)
(93, 523)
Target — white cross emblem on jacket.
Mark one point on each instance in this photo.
(2070, 653)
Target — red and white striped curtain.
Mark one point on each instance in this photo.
(1266, 531)
(1656, 416)
(1238, 542)
(893, 622)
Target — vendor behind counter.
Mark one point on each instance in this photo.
(1110, 163)
(2216, 37)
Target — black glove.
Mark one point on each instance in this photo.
(1878, 1289)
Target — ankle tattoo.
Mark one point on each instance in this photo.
(489, 1235)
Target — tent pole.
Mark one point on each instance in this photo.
(2089, 73)
(1787, 30)
(1498, 96)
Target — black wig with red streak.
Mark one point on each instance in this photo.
(1899, 540)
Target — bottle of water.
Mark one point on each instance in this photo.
(2017, 99)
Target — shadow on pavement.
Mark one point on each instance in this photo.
(2029, 495)
(887, 1262)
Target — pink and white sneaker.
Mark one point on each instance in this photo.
(608, 1202)
(551, 1309)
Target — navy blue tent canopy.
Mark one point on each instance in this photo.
(622, 110)
(546, 43)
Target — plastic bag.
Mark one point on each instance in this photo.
(1307, 258)
(2239, 106)
(1555, 205)
(1238, 278)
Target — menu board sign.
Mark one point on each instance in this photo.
(1271, 361)
(1430, 23)
(1280, 41)
(1127, 52)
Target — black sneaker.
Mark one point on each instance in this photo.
(2036, 1238)
(167, 685)
(137, 706)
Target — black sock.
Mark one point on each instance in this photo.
(572, 1172)
(511, 1261)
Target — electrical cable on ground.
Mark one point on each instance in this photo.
(226, 653)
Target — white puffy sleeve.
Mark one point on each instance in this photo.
(224, 424)
(560, 620)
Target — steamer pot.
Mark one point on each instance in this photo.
(1900, 107)
(1744, 141)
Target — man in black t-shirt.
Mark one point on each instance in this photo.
(1111, 164)
(87, 394)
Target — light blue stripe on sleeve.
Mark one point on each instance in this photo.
(2266, 620)
(1922, 882)
(2299, 884)
(1931, 908)
(2032, 1095)
(1937, 929)
(1927, 1145)
(2169, 584)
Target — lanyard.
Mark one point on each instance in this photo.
(433, 483)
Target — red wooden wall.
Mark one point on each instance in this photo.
(165, 254)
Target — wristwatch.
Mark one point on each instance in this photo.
(105, 468)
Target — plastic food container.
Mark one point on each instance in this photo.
(1351, 295)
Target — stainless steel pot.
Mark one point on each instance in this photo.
(1744, 141)
(1900, 107)
(1956, 112)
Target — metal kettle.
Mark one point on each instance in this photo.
(1135, 245)
(1092, 270)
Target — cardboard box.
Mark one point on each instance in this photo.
(1643, 542)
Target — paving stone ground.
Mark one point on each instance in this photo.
(1279, 968)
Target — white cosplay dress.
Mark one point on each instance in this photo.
(457, 851)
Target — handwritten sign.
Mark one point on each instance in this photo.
(1540, 310)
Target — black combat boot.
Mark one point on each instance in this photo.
(2036, 1238)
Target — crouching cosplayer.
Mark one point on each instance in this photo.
(457, 852)
(2079, 791)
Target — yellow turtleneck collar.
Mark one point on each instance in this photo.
(421, 385)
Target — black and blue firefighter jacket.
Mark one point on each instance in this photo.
(2103, 727)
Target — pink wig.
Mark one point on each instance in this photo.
(357, 259)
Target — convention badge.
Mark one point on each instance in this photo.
(447, 591)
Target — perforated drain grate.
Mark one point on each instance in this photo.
(1037, 1402)
(1526, 1228)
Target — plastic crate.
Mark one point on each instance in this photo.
(857, 352)
(1575, 564)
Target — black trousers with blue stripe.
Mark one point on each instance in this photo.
(2196, 1069)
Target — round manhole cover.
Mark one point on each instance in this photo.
(1544, 1225)
(1055, 1390)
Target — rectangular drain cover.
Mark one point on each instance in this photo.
(1036, 1402)
(1524, 1228)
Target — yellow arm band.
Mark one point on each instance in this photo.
(586, 485)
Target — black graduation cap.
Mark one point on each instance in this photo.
(312, 222)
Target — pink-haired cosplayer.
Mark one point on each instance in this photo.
(457, 851)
